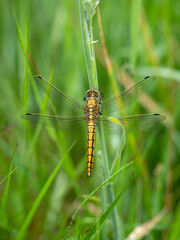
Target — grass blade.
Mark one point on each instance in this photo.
(19, 33)
(38, 200)
(25, 87)
(135, 27)
(106, 214)
(110, 190)
(8, 175)
(92, 193)
(86, 10)
(6, 190)
(174, 232)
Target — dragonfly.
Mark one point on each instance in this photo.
(95, 111)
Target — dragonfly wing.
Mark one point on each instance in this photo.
(126, 97)
(60, 98)
(114, 124)
(61, 122)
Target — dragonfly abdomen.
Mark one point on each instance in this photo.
(91, 136)
(91, 113)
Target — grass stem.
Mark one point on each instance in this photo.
(88, 43)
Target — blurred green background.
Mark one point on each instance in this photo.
(142, 38)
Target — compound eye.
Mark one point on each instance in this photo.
(88, 93)
(96, 93)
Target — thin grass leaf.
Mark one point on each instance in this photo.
(110, 190)
(27, 221)
(99, 223)
(87, 34)
(21, 41)
(86, 10)
(25, 87)
(92, 193)
(135, 27)
(22, 44)
(6, 190)
(37, 132)
(103, 203)
(19, 33)
(174, 232)
(121, 146)
(8, 175)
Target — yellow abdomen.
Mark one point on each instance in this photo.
(91, 114)
(91, 135)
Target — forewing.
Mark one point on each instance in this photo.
(60, 122)
(113, 124)
(123, 99)
(59, 98)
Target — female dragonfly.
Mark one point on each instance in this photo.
(95, 110)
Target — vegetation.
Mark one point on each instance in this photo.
(44, 190)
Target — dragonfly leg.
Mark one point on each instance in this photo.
(102, 95)
(85, 98)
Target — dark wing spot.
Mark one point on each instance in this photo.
(38, 76)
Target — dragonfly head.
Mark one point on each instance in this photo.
(92, 93)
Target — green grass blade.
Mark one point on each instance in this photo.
(19, 33)
(135, 27)
(121, 146)
(114, 215)
(25, 87)
(8, 175)
(37, 132)
(38, 200)
(174, 232)
(22, 44)
(92, 193)
(87, 10)
(106, 214)
(6, 190)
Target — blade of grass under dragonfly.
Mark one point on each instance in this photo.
(108, 180)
